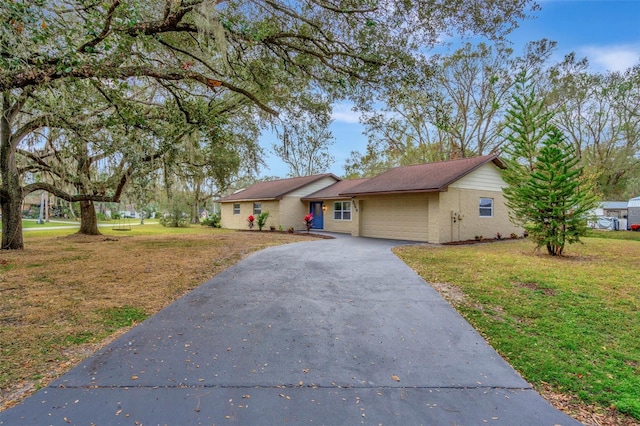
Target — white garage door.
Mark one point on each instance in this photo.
(395, 217)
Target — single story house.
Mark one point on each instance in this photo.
(436, 202)
(281, 198)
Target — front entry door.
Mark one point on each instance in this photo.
(315, 208)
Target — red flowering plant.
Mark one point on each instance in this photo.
(635, 227)
(251, 219)
(308, 221)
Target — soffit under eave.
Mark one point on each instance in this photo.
(247, 200)
(408, 191)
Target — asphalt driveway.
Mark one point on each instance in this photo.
(325, 332)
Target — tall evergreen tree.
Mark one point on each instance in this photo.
(558, 194)
(547, 190)
(526, 125)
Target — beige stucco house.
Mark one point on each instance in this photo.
(436, 202)
(281, 198)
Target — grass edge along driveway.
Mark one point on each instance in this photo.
(569, 325)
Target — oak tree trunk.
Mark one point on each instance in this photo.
(88, 219)
(12, 219)
(11, 196)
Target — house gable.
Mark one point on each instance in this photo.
(485, 178)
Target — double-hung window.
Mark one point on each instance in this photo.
(236, 208)
(257, 208)
(342, 210)
(486, 207)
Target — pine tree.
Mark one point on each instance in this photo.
(547, 190)
(559, 195)
(527, 123)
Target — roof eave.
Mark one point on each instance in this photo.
(244, 200)
(333, 197)
(405, 191)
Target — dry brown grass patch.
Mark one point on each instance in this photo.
(54, 294)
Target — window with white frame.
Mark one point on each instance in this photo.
(257, 208)
(342, 210)
(236, 208)
(486, 207)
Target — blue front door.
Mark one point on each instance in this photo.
(315, 208)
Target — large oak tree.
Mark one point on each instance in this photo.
(257, 52)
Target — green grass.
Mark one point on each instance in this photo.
(125, 316)
(33, 224)
(146, 229)
(572, 322)
(614, 235)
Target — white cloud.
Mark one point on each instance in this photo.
(612, 58)
(344, 113)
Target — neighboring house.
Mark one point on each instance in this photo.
(611, 215)
(441, 202)
(615, 209)
(281, 198)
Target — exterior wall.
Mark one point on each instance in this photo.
(333, 225)
(619, 213)
(633, 216)
(398, 217)
(239, 221)
(292, 211)
(470, 224)
(355, 218)
(273, 207)
(463, 197)
(434, 221)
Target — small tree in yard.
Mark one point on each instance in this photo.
(548, 192)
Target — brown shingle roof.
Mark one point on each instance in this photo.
(273, 189)
(428, 177)
(334, 191)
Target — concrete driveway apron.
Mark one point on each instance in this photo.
(324, 332)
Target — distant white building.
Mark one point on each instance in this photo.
(611, 215)
(633, 212)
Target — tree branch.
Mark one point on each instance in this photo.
(31, 126)
(105, 31)
(37, 76)
(32, 187)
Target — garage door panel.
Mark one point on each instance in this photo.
(400, 218)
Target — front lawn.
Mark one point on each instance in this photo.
(65, 295)
(569, 325)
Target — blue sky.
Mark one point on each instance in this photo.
(607, 32)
